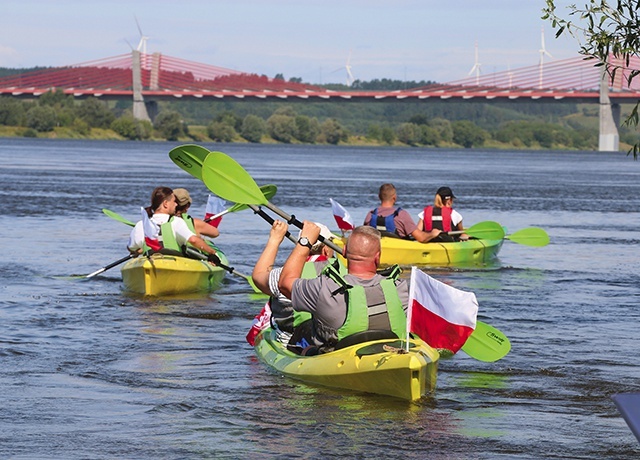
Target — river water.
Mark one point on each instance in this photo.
(87, 371)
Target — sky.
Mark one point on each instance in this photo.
(314, 40)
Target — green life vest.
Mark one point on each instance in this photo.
(312, 270)
(366, 309)
(167, 238)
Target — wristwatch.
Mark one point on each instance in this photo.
(304, 241)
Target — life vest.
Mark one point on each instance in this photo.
(283, 314)
(314, 267)
(439, 218)
(384, 224)
(167, 239)
(189, 221)
(372, 307)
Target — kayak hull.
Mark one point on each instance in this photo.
(474, 252)
(162, 274)
(378, 366)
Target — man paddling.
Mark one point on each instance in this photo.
(363, 300)
(394, 221)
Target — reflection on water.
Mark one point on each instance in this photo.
(89, 371)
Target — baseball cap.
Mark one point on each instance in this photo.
(445, 193)
(182, 196)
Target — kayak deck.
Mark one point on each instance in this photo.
(472, 252)
(162, 274)
(379, 366)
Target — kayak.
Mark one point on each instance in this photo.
(376, 366)
(460, 253)
(162, 274)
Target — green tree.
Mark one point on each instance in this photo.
(170, 125)
(429, 135)
(125, 126)
(374, 132)
(333, 132)
(307, 129)
(408, 133)
(253, 128)
(221, 132)
(230, 118)
(604, 28)
(282, 127)
(41, 118)
(96, 113)
(443, 128)
(467, 134)
(388, 135)
(12, 112)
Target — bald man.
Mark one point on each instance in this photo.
(373, 301)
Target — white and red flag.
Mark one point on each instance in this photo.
(260, 322)
(151, 231)
(342, 216)
(441, 315)
(215, 206)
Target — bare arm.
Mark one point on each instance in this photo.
(264, 265)
(424, 237)
(293, 266)
(203, 228)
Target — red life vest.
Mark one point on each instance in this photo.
(439, 218)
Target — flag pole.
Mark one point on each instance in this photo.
(411, 288)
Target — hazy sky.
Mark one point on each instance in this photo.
(396, 39)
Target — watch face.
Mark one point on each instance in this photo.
(304, 241)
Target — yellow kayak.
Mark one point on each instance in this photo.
(460, 253)
(376, 366)
(162, 274)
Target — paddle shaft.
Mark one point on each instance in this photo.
(297, 223)
(111, 265)
(216, 261)
(258, 210)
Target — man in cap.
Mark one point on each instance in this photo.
(198, 226)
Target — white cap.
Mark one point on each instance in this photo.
(324, 232)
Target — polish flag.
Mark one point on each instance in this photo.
(342, 216)
(151, 231)
(215, 206)
(441, 315)
(260, 322)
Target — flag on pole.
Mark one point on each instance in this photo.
(260, 322)
(342, 216)
(215, 206)
(441, 315)
(151, 231)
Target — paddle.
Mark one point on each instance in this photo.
(487, 230)
(216, 260)
(269, 191)
(629, 406)
(118, 217)
(227, 179)
(111, 265)
(486, 343)
(531, 236)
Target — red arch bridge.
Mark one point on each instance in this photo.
(147, 78)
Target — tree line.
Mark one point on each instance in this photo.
(436, 125)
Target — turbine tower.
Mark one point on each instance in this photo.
(543, 51)
(348, 69)
(476, 67)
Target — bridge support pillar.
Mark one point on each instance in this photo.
(609, 140)
(139, 108)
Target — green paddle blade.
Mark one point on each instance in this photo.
(486, 343)
(268, 191)
(190, 158)
(227, 179)
(118, 217)
(487, 230)
(531, 236)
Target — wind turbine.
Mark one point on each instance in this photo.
(348, 69)
(543, 51)
(476, 67)
(142, 45)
